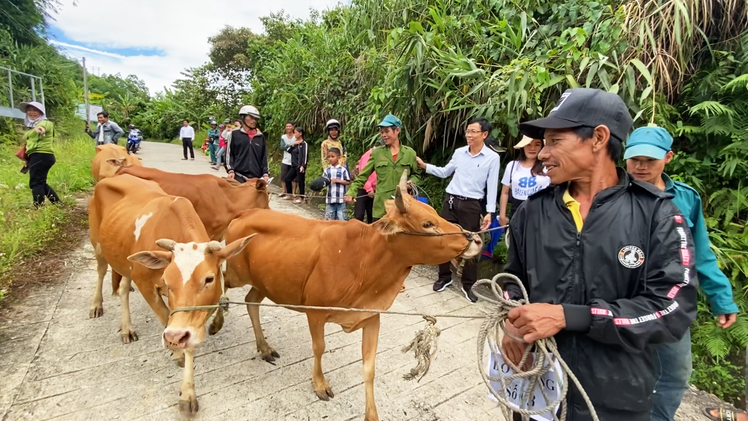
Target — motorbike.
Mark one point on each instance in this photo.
(133, 141)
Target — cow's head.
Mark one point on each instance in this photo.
(192, 276)
(420, 222)
(114, 158)
(256, 194)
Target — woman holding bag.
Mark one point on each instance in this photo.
(39, 151)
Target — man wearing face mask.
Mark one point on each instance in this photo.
(607, 261)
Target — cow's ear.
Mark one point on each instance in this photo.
(234, 248)
(387, 227)
(98, 149)
(152, 259)
(116, 162)
(261, 184)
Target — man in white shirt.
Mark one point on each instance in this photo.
(187, 134)
(476, 169)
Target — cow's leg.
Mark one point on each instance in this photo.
(127, 331)
(97, 304)
(217, 323)
(369, 354)
(267, 352)
(317, 329)
(153, 298)
(116, 279)
(187, 398)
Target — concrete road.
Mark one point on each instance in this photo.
(56, 363)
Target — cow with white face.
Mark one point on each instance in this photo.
(158, 242)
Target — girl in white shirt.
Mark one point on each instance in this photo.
(522, 177)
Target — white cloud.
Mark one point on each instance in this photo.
(177, 30)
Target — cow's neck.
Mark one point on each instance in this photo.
(404, 251)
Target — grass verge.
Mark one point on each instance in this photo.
(25, 232)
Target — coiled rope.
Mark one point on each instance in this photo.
(545, 352)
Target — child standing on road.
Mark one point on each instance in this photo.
(339, 179)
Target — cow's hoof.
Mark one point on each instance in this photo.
(325, 394)
(271, 355)
(188, 407)
(96, 312)
(128, 335)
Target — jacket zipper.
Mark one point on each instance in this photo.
(576, 290)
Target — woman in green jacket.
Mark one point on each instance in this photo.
(39, 150)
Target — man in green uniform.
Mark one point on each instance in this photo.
(648, 150)
(389, 162)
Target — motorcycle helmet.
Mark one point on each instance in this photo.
(249, 110)
(332, 123)
(213, 123)
(227, 121)
(319, 183)
(132, 126)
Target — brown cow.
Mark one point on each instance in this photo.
(128, 217)
(216, 200)
(340, 264)
(109, 158)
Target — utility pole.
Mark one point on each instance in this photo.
(85, 90)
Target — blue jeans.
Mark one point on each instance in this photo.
(219, 155)
(672, 371)
(335, 211)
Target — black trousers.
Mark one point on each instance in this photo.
(187, 146)
(39, 165)
(364, 207)
(285, 168)
(466, 213)
(292, 175)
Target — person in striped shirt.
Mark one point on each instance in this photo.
(339, 180)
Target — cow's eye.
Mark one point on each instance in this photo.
(208, 280)
(428, 224)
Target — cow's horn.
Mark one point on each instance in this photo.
(166, 244)
(404, 181)
(399, 202)
(214, 246)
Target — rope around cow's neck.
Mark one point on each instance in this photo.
(424, 344)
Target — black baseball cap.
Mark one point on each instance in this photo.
(584, 107)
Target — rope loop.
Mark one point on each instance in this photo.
(545, 353)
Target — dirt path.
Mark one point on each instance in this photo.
(56, 363)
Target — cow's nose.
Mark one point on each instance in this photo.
(176, 338)
(477, 239)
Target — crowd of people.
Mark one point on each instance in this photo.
(611, 257)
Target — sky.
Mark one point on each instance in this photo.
(157, 39)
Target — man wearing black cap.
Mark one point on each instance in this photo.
(607, 260)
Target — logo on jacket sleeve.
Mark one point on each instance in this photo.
(631, 257)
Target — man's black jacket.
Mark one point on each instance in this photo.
(246, 157)
(626, 283)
